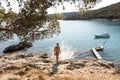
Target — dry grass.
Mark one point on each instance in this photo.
(37, 74)
(91, 77)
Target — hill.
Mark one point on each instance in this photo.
(71, 15)
(109, 12)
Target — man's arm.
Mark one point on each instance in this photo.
(54, 50)
(59, 50)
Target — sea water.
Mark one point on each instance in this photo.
(78, 36)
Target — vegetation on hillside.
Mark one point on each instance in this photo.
(109, 12)
(57, 16)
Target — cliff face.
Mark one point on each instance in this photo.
(43, 67)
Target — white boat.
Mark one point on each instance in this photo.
(105, 35)
(100, 48)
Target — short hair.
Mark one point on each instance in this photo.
(57, 43)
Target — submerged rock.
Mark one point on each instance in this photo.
(17, 47)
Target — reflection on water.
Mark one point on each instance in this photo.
(67, 52)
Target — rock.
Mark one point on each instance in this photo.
(20, 56)
(31, 66)
(111, 64)
(21, 73)
(10, 77)
(27, 68)
(13, 78)
(75, 65)
(117, 71)
(69, 67)
(65, 62)
(29, 55)
(46, 60)
(96, 64)
(44, 56)
(17, 47)
(106, 65)
(10, 67)
(1, 70)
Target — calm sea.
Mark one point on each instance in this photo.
(78, 37)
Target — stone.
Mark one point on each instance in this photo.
(29, 55)
(106, 65)
(1, 70)
(44, 56)
(20, 56)
(10, 67)
(65, 62)
(31, 66)
(17, 47)
(75, 65)
(27, 68)
(117, 71)
(96, 64)
(45, 61)
(21, 73)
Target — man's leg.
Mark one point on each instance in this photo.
(57, 58)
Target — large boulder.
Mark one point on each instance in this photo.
(17, 47)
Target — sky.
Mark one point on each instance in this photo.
(104, 3)
(68, 6)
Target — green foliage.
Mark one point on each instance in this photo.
(32, 17)
(56, 16)
(10, 14)
(109, 12)
(2, 13)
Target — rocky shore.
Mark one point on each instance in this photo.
(43, 67)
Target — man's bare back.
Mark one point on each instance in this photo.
(57, 51)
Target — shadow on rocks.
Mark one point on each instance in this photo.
(54, 69)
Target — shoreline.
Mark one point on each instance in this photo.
(43, 67)
(97, 19)
(71, 55)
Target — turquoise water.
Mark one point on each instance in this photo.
(78, 36)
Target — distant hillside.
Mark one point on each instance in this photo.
(109, 12)
(71, 15)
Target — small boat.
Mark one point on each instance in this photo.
(105, 35)
(100, 48)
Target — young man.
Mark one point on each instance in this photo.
(57, 51)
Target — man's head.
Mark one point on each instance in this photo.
(57, 44)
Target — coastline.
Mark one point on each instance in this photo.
(43, 67)
(97, 19)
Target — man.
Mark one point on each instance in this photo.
(57, 51)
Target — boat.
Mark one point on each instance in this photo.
(100, 48)
(105, 35)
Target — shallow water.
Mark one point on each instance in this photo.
(78, 37)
